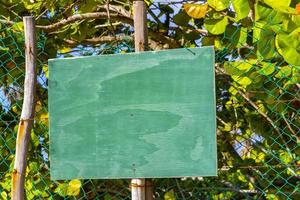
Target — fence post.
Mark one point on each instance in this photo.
(141, 189)
(27, 115)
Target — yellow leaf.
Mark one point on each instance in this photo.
(195, 10)
(45, 69)
(18, 26)
(43, 118)
(38, 106)
(169, 195)
(65, 50)
(74, 187)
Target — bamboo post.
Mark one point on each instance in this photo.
(27, 115)
(141, 189)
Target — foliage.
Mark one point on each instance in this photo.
(257, 76)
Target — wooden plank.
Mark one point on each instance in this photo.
(140, 115)
(27, 115)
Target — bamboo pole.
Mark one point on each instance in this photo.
(27, 115)
(141, 189)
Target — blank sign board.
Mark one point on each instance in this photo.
(145, 115)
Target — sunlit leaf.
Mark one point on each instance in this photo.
(267, 69)
(62, 189)
(216, 26)
(19, 26)
(74, 187)
(196, 11)
(284, 72)
(3, 195)
(65, 50)
(4, 48)
(244, 81)
(218, 5)
(44, 118)
(288, 45)
(45, 69)
(285, 157)
(276, 3)
(267, 14)
(34, 139)
(241, 8)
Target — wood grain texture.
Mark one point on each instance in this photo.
(140, 115)
(27, 115)
(140, 25)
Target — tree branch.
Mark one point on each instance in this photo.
(119, 10)
(6, 21)
(98, 40)
(108, 39)
(85, 16)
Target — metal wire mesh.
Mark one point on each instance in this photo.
(257, 113)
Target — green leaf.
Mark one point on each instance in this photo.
(216, 26)
(231, 69)
(284, 72)
(291, 23)
(218, 43)
(169, 195)
(256, 79)
(285, 157)
(19, 26)
(108, 197)
(88, 6)
(181, 19)
(218, 5)
(266, 43)
(239, 67)
(192, 35)
(277, 3)
(34, 139)
(4, 49)
(32, 5)
(3, 195)
(295, 75)
(267, 69)
(235, 37)
(257, 29)
(286, 10)
(281, 6)
(33, 167)
(208, 41)
(62, 189)
(241, 8)
(288, 45)
(244, 81)
(267, 14)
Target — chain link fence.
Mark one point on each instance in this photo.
(258, 105)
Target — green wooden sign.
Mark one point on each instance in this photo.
(149, 114)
